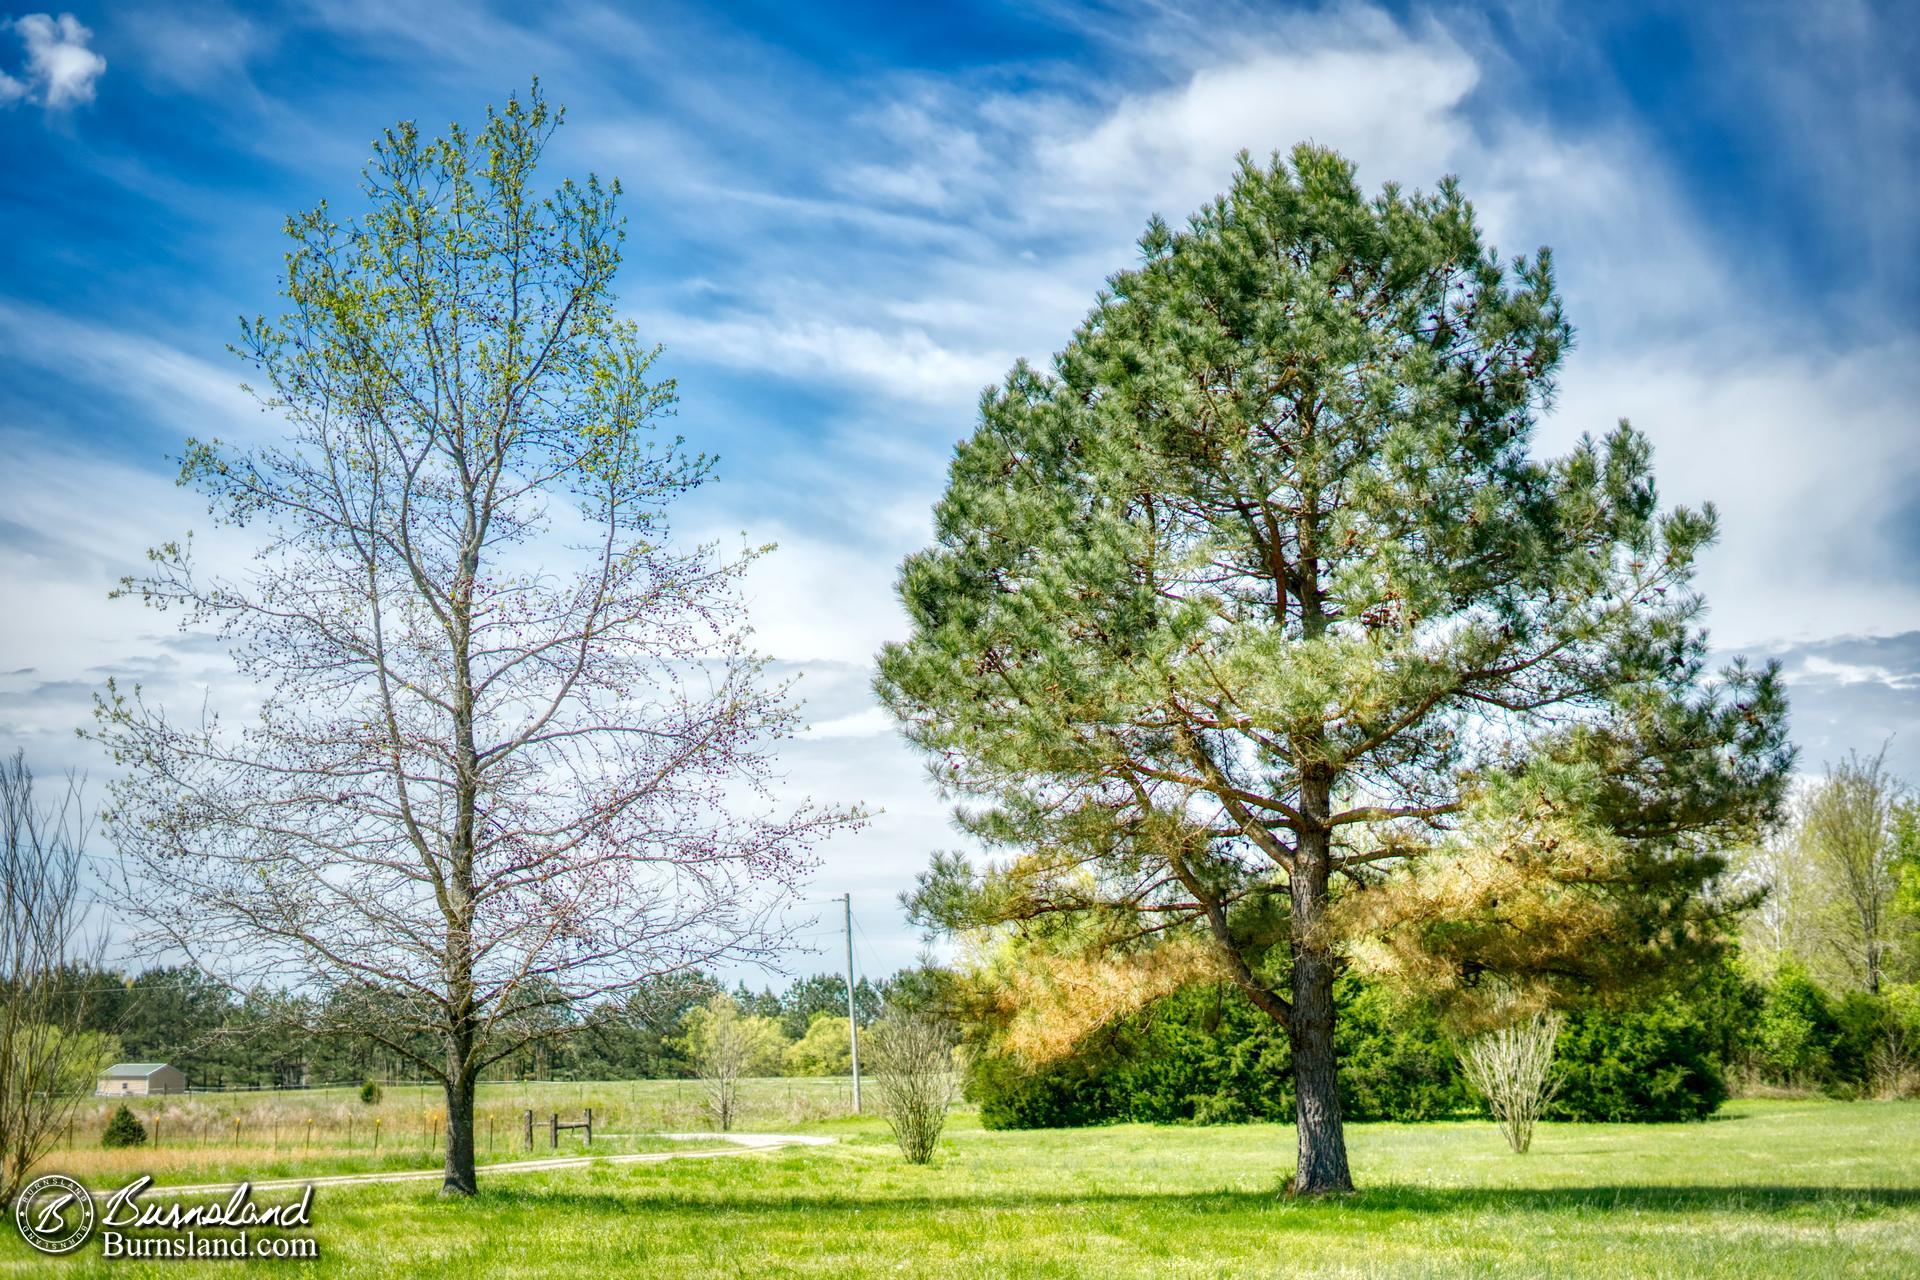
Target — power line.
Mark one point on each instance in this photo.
(868, 948)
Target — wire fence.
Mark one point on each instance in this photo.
(412, 1118)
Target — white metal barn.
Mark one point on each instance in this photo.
(139, 1079)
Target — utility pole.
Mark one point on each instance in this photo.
(853, 1019)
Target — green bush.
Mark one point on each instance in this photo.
(1203, 1055)
(1650, 1064)
(124, 1130)
(1861, 1024)
(1207, 1056)
(1061, 1095)
(1795, 1030)
(1804, 1037)
(1395, 1061)
(370, 1092)
(1662, 1057)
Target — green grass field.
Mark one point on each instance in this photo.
(1775, 1188)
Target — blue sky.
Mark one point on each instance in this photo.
(844, 220)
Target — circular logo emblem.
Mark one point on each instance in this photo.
(54, 1213)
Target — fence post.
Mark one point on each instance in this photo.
(156, 1133)
(589, 1126)
(376, 1135)
(555, 1122)
(529, 1128)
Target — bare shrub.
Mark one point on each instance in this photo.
(48, 1060)
(1893, 1068)
(1509, 1067)
(912, 1055)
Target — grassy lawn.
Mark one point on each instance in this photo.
(1805, 1188)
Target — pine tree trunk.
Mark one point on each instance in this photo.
(460, 1177)
(1322, 1132)
(1317, 1120)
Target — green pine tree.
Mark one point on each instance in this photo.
(124, 1130)
(1254, 626)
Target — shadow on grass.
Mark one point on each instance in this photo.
(1387, 1199)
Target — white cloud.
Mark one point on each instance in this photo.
(76, 517)
(942, 167)
(1389, 105)
(61, 68)
(1807, 454)
(815, 599)
(1815, 667)
(73, 524)
(1805, 449)
(870, 723)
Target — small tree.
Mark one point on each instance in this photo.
(912, 1056)
(1849, 834)
(124, 1130)
(1511, 1067)
(370, 1092)
(48, 1060)
(727, 1046)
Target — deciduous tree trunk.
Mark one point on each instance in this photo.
(460, 1179)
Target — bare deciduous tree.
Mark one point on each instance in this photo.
(48, 1060)
(514, 752)
(1787, 891)
(912, 1056)
(1510, 1067)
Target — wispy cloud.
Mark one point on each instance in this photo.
(184, 391)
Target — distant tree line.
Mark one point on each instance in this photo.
(269, 1039)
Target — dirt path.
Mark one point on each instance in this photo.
(742, 1144)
